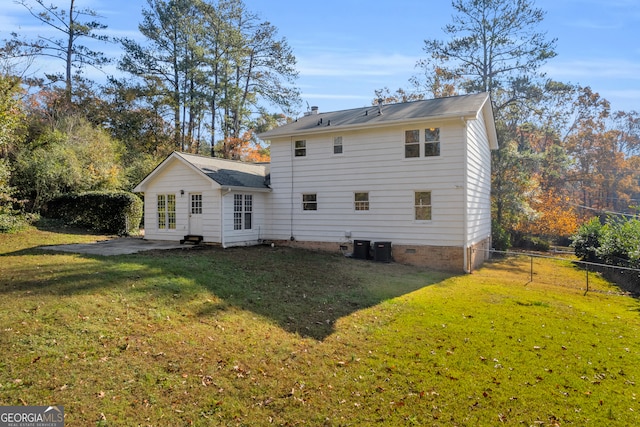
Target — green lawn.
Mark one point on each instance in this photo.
(273, 336)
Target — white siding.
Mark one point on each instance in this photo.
(244, 237)
(176, 176)
(478, 185)
(373, 162)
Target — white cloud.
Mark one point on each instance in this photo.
(596, 25)
(345, 64)
(609, 68)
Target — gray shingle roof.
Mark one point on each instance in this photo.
(456, 106)
(230, 172)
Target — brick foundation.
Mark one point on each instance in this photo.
(478, 254)
(446, 258)
(315, 246)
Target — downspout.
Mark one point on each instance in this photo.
(291, 155)
(465, 204)
(223, 193)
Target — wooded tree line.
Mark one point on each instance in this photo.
(564, 155)
(200, 80)
(206, 73)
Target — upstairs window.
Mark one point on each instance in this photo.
(422, 205)
(337, 145)
(310, 202)
(432, 142)
(300, 148)
(412, 143)
(361, 201)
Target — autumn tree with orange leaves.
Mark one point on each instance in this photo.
(554, 216)
(605, 175)
(245, 148)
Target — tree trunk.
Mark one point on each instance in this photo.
(69, 52)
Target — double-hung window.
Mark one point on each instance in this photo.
(361, 201)
(242, 211)
(310, 202)
(166, 211)
(412, 143)
(422, 205)
(300, 148)
(431, 143)
(337, 145)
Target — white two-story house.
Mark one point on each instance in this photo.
(414, 177)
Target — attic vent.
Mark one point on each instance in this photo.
(314, 110)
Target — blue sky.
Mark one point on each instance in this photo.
(347, 49)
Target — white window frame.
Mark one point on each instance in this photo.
(242, 212)
(411, 140)
(196, 203)
(427, 205)
(310, 202)
(361, 205)
(338, 145)
(300, 148)
(166, 211)
(429, 135)
(422, 143)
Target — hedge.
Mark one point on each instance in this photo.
(616, 242)
(106, 212)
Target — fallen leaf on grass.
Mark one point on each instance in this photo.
(207, 380)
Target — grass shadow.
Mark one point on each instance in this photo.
(304, 292)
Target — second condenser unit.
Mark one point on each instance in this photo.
(382, 251)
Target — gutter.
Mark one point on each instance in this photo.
(230, 188)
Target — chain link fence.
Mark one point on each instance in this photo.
(530, 269)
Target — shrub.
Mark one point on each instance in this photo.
(620, 243)
(500, 237)
(587, 240)
(617, 242)
(531, 243)
(107, 212)
(11, 222)
(11, 219)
